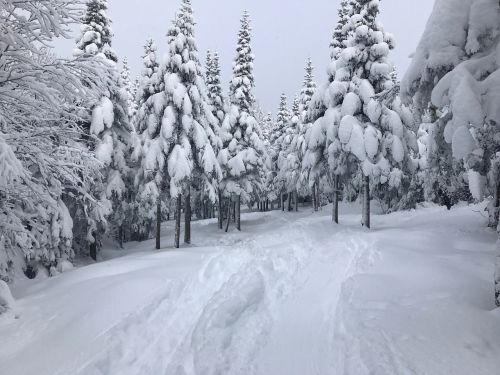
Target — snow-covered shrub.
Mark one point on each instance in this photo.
(7, 303)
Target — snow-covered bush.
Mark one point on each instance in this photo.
(42, 154)
(7, 303)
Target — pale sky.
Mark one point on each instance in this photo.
(285, 34)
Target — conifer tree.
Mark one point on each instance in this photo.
(110, 125)
(217, 103)
(178, 152)
(283, 118)
(149, 202)
(297, 147)
(242, 153)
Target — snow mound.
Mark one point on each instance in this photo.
(7, 303)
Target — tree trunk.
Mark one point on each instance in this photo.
(158, 225)
(178, 222)
(267, 205)
(336, 187)
(221, 213)
(366, 201)
(187, 218)
(238, 213)
(93, 247)
(120, 236)
(318, 196)
(494, 208)
(234, 211)
(314, 198)
(289, 202)
(282, 202)
(228, 216)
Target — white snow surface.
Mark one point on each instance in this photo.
(292, 294)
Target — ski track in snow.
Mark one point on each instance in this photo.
(293, 294)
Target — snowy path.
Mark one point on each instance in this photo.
(292, 294)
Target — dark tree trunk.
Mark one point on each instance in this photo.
(221, 211)
(93, 247)
(238, 213)
(366, 202)
(336, 187)
(234, 211)
(120, 236)
(318, 196)
(187, 219)
(158, 225)
(178, 209)
(282, 202)
(228, 216)
(267, 205)
(289, 202)
(314, 198)
(495, 208)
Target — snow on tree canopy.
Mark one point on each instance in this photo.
(456, 69)
(181, 119)
(242, 145)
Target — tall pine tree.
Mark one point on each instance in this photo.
(242, 153)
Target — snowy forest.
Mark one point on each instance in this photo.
(160, 223)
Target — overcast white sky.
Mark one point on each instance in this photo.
(285, 33)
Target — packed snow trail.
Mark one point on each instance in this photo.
(291, 294)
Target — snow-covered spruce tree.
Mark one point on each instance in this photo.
(462, 83)
(298, 145)
(149, 202)
(316, 162)
(110, 126)
(288, 163)
(362, 132)
(42, 156)
(128, 89)
(283, 118)
(242, 153)
(177, 151)
(217, 103)
(96, 34)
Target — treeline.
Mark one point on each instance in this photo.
(87, 152)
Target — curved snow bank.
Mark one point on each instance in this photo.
(7, 303)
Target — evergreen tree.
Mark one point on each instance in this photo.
(364, 136)
(242, 153)
(128, 89)
(298, 145)
(96, 36)
(283, 118)
(177, 149)
(148, 202)
(110, 126)
(217, 103)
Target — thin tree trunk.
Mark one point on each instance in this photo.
(315, 206)
(238, 213)
(366, 201)
(221, 213)
(187, 218)
(282, 202)
(234, 211)
(120, 236)
(289, 202)
(228, 216)
(296, 196)
(318, 196)
(178, 222)
(93, 247)
(158, 225)
(336, 186)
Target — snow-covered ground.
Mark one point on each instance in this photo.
(292, 294)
